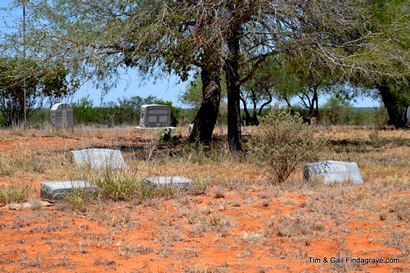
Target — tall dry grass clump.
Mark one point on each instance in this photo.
(13, 193)
(283, 142)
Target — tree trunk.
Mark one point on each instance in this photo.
(315, 102)
(233, 92)
(248, 118)
(205, 119)
(392, 105)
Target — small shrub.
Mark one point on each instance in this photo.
(284, 142)
(266, 203)
(116, 186)
(198, 188)
(219, 193)
(13, 193)
(165, 136)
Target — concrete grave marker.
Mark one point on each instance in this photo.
(62, 116)
(99, 158)
(57, 190)
(155, 116)
(169, 181)
(333, 172)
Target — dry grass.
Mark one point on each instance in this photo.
(232, 220)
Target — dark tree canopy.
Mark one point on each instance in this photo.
(40, 83)
(99, 38)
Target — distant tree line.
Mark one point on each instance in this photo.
(124, 111)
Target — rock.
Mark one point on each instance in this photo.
(99, 158)
(333, 172)
(28, 205)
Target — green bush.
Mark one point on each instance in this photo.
(284, 142)
(85, 112)
(120, 112)
(2, 121)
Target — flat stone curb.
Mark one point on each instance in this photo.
(168, 181)
(57, 190)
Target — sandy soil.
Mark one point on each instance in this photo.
(230, 227)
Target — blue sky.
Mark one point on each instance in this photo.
(131, 84)
(167, 88)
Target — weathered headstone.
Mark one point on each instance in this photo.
(99, 158)
(62, 116)
(57, 190)
(169, 181)
(155, 116)
(333, 172)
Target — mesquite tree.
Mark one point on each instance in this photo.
(99, 38)
(40, 83)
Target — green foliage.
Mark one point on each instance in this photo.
(165, 136)
(85, 112)
(284, 142)
(2, 121)
(368, 116)
(124, 111)
(338, 110)
(192, 96)
(37, 119)
(18, 77)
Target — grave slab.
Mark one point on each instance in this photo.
(388, 159)
(333, 172)
(169, 181)
(57, 190)
(98, 159)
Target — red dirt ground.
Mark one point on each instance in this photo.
(245, 230)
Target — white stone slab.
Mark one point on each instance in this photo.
(98, 159)
(57, 190)
(333, 172)
(169, 181)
